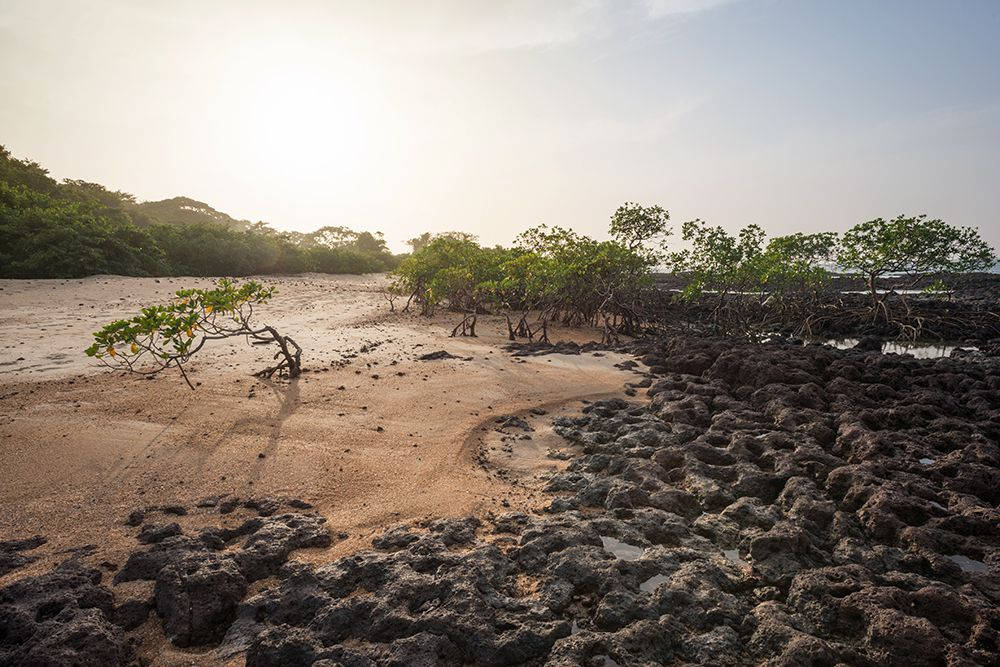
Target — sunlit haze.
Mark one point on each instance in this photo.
(490, 117)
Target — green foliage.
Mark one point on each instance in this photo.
(31, 175)
(912, 245)
(170, 330)
(46, 237)
(552, 272)
(170, 334)
(185, 211)
(938, 287)
(74, 229)
(634, 225)
(721, 263)
(794, 263)
(717, 261)
(449, 270)
(749, 282)
(527, 280)
(586, 277)
(422, 241)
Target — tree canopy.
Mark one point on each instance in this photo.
(74, 228)
(551, 274)
(912, 245)
(633, 225)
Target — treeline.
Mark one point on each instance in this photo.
(550, 274)
(70, 229)
(742, 284)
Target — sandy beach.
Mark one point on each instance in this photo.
(369, 435)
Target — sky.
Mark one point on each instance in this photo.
(491, 117)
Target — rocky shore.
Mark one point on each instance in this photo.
(751, 504)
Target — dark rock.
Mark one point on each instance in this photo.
(263, 506)
(152, 533)
(12, 554)
(132, 613)
(434, 356)
(869, 344)
(60, 618)
(228, 505)
(268, 548)
(197, 597)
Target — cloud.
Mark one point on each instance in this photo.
(659, 9)
(461, 26)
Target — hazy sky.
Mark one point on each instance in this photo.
(493, 116)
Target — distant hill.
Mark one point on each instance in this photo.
(186, 211)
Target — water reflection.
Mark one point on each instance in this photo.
(621, 549)
(734, 556)
(652, 583)
(967, 564)
(920, 350)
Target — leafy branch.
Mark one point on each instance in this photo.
(170, 334)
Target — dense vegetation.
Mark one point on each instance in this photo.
(743, 284)
(550, 274)
(68, 229)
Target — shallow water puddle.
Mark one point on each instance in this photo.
(652, 583)
(918, 350)
(622, 550)
(734, 556)
(967, 564)
(926, 462)
(883, 291)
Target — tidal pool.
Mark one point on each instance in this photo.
(620, 549)
(652, 583)
(920, 350)
(734, 556)
(967, 564)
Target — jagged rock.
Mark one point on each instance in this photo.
(197, 597)
(61, 618)
(152, 533)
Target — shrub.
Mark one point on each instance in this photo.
(551, 273)
(171, 334)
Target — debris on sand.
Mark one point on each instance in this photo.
(541, 348)
(434, 356)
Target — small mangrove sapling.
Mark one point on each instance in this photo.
(171, 334)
